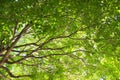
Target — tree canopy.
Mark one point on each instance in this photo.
(59, 40)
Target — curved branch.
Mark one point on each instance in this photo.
(12, 75)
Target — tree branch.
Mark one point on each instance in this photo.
(28, 44)
(45, 56)
(13, 44)
(14, 32)
(12, 75)
(40, 46)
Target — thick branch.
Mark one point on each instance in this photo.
(13, 44)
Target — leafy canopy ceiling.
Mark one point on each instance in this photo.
(59, 39)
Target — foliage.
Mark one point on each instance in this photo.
(59, 39)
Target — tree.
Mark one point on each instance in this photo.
(59, 39)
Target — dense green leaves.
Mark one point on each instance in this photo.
(59, 39)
